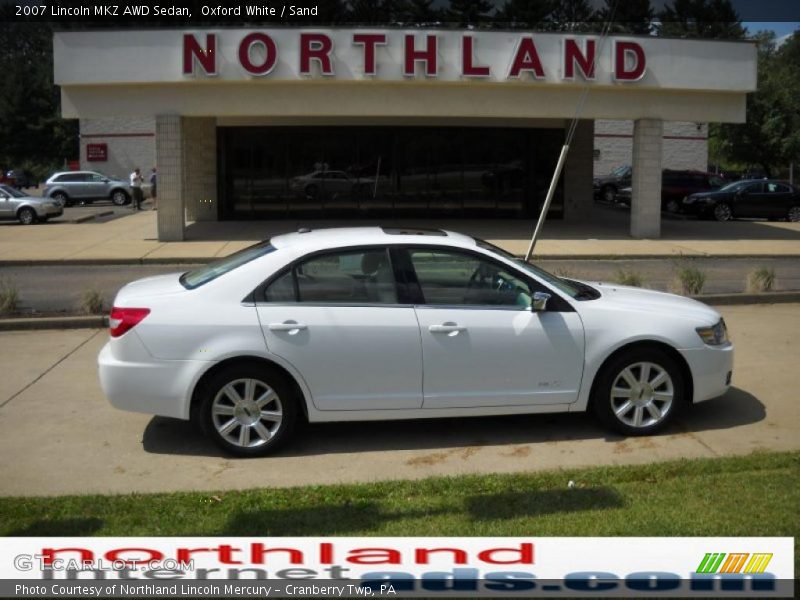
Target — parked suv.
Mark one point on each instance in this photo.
(607, 186)
(70, 187)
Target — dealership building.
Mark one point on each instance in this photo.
(390, 123)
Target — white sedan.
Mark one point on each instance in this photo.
(372, 323)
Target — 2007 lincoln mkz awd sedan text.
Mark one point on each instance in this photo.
(375, 323)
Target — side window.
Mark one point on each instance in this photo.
(96, 178)
(351, 277)
(453, 278)
(777, 188)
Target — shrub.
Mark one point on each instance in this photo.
(92, 302)
(9, 296)
(689, 280)
(629, 277)
(761, 279)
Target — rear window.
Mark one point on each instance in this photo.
(194, 279)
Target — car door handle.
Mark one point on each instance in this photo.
(287, 326)
(446, 328)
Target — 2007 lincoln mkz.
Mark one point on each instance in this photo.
(375, 323)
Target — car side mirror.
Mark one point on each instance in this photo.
(106, 180)
(540, 301)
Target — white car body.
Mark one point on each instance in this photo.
(376, 362)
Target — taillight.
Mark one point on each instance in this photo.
(124, 319)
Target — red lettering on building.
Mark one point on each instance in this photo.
(621, 52)
(193, 52)
(526, 59)
(316, 46)
(369, 41)
(270, 53)
(428, 56)
(468, 68)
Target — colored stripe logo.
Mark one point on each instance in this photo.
(733, 563)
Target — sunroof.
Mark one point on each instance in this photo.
(412, 231)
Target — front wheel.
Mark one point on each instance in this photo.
(723, 212)
(119, 198)
(673, 206)
(609, 194)
(794, 215)
(248, 409)
(26, 216)
(639, 392)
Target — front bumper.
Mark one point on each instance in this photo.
(712, 369)
(50, 211)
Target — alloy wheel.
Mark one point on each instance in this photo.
(722, 212)
(119, 198)
(247, 413)
(27, 216)
(642, 395)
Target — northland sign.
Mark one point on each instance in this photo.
(316, 53)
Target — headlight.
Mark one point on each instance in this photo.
(688, 200)
(716, 335)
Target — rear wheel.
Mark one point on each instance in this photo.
(26, 216)
(248, 409)
(723, 212)
(794, 214)
(609, 194)
(119, 198)
(639, 392)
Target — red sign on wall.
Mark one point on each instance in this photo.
(97, 152)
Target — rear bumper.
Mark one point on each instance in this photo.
(147, 385)
(712, 369)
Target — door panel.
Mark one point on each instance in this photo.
(351, 357)
(476, 357)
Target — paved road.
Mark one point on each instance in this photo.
(59, 288)
(58, 435)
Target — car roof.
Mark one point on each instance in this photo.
(309, 240)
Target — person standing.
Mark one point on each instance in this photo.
(136, 188)
(153, 188)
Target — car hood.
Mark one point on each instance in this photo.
(157, 285)
(650, 301)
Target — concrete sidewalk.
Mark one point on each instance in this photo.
(59, 435)
(133, 239)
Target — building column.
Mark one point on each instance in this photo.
(200, 168)
(170, 164)
(578, 170)
(646, 200)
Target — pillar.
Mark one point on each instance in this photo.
(170, 164)
(578, 171)
(646, 200)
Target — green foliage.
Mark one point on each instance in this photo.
(630, 16)
(469, 12)
(629, 277)
(9, 296)
(689, 280)
(92, 302)
(710, 19)
(761, 279)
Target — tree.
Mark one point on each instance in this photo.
(770, 136)
(526, 14)
(419, 11)
(628, 16)
(715, 19)
(574, 15)
(469, 12)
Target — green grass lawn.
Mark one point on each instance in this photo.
(757, 494)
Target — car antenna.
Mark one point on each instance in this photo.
(570, 134)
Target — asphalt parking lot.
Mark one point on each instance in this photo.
(58, 435)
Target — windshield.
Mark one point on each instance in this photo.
(562, 285)
(193, 279)
(620, 171)
(9, 191)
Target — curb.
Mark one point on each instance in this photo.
(101, 322)
(40, 323)
(92, 217)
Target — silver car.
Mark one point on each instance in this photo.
(84, 187)
(27, 209)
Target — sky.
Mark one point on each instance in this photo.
(781, 28)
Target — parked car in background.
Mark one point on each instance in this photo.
(371, 323)
(28, 210)
(18, 178)
(676, 185)
(607, 186)
(71, 187)
(327, 183)
(750, 198)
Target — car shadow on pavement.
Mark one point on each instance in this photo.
(58, 528)
(367, 515)
(170, 436)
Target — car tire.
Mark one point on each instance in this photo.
(26, 216)
(312, 191)
(608, 194)
(120, 198)
(723, 212)
(673, 207)
(234, 425)
(639, 391)
(793, 216)
(62, 198)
